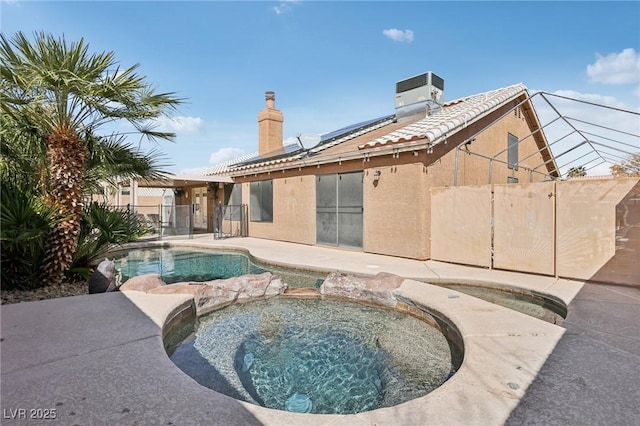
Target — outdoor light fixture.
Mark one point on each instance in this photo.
(376, 175)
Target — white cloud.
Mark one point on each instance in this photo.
(290, 140)
(225, 154)
(180, 124)
(280, 9)
(595, 98)
(284, 6)
(616, 68)
(403, 36)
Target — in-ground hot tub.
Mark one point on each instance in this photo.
(316, 356)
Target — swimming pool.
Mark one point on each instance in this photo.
(176, 264)
(534, 305)
(180, 264)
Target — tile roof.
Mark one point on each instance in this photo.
(241, 163)
(453, 115)
(337, 137)
(287, 150)
(225, 167)
(327, 141)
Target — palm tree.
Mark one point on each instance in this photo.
(63, 96)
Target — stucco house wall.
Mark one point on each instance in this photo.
(398, 211)
(396, 207)
(473, 168)
(294, 214)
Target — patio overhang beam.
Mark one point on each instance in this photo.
(177, 181)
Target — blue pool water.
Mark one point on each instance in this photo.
(178, 265)
(316, 356)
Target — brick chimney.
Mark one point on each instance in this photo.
(269, 126)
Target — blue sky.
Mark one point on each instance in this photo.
(332, 64)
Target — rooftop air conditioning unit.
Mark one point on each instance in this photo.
(415, 93)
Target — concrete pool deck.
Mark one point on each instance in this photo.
(99, 359)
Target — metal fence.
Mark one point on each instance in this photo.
(230, 221)
(165, 220)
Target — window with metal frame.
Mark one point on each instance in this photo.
(261, 201)
(233, 202)
(512, 152)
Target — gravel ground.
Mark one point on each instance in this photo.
(52, 292)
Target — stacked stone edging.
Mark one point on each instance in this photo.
(211, 295)
(215, 294)
(373, 289)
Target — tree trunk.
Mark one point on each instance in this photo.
(67, 156)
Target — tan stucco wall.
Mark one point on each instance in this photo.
(474, 170)
(599, 230)
(587, 230)
(142, 200)
(396, 210)
(294, 211)
(524, 227)
(461, 225)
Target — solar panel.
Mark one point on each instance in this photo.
(286, 150)
(351, 128)
(295, 148)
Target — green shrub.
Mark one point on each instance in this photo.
(101, 229)
(25, 220)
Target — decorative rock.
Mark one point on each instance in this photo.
(217, 293)
(105, 278)
(177, 288)
(209, 299)
(143, 283)
(377, 289)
